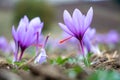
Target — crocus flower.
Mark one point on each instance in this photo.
(112, 37)
(4, 46)
(77, 25)
(42, 56)
(37, 25)
(25, 35)
(14, 50)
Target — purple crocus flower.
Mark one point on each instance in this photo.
(4, 46)
(14, 50)
(25, 35)
(37, 25)
(42, 56)
(112, 37)
(77, 25)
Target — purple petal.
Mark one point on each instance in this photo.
(14, 50)
(36, 24)
(68, 21)
(29, 37)
(90, 33)
(26, 19)
(96, 50)
(88, 18)
(21, 31)
(41, 57)
(22, 28)
(78, 20)
(41, 25)
(87, 43)
(65, 29)
(14, 34)
(23, 23)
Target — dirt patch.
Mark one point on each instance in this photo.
(4, 64)
(107, 61)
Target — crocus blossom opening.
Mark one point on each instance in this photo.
(25, 35)
(42, 56)
(77, 24)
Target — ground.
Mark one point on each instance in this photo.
(46, 71)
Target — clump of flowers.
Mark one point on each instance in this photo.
(26, 35)
(110, 38)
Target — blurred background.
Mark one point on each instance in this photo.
(106, 13)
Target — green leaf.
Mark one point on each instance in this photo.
(72, 60)
(9, 60)
(59, 60)
(86, 60)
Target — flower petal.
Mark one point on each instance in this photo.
(14, 34)
(41, 57)
(65, 29)
(22, 28)
(29, 38)
(87, 43)
(78, 20)
(68, 21)
(90, 33)
(26, 19)
(88, 18)
(36, 24)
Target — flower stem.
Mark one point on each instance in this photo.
(20, 57)
(46, 40)
(37, 42)
(83, 53)
(16, 53)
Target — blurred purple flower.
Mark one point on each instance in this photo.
(25, 35)
(77, 25)
(14, 50)
(4, 46)
(112, 37)
(41, 57)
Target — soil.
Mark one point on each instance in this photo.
(107, 61)
(110, 60)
